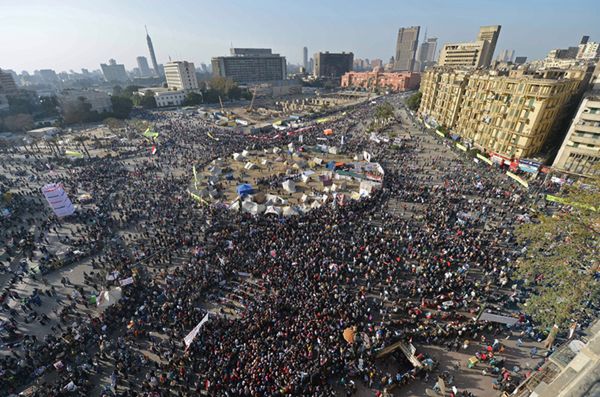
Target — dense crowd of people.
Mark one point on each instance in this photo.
(413, 263)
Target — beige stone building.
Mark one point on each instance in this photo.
(580, 150)
(513, 115)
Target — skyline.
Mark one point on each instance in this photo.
(197, 32)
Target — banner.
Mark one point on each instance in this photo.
(73, 153)
(561, 200)
(484, 159)
(518, 179)
(150, 134)
(192, 335)
(58, 200)
(461, 147)
(440, 134)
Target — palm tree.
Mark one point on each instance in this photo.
(81, 140)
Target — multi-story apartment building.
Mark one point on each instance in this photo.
(181, 75)
(580, 151)
(443, 90)
(513, 115)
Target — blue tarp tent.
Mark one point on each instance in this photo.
(331, 165)
(244, 189)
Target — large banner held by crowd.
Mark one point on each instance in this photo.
(58, 200)
(189, 338)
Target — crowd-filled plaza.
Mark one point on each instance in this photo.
(368, 278)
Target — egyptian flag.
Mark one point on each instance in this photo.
(153, 150)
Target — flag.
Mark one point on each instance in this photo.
(192, 335)
(153, 150)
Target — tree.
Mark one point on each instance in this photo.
(192, 98)
(117, 90)
(78, 111)
(563, 257)
(48, 106)
(414, 101)
(81, 140)
(384, 111)
(121, 106)
(146, 101)
(18, 122)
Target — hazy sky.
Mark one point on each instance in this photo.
(66, 34)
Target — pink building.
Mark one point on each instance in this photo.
(393, 81)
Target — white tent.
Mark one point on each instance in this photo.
(289, 211)
(109, 298)
(273, 210)
(315, 204)
(304, 198)
(275, 200)
(245, 153)
(250, 165)
(235, 206)
(276, 150)
(253, 208)
(333, 150)
(317, 161)
(264, 161)
(289, 186)
(238, 157)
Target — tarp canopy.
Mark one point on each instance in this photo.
(244, 189)
(328, 131)
(331, 165)
(349, 334)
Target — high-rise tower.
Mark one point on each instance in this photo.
(305, 58)
(406, 48)
(152, 55)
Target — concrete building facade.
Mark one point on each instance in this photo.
(393, 81)
(334, 65)
(250, 65)
(463, 54)
(513, 115)
(181, 75)
(490, 35)
(477, 54)
(142, 63)
(114, 72)
(406, 48)
(580, 151)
